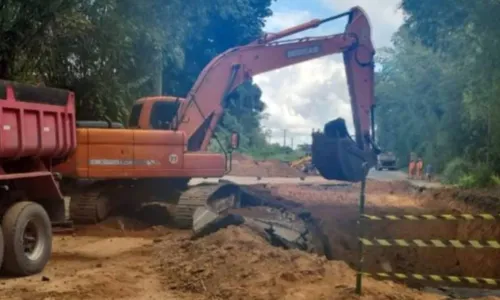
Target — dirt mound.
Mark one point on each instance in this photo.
(234, 263)
(246, 166)
(337, 208)
(241, 157)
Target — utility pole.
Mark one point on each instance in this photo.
(268, 133)
(159, 76)
(284, 137)
(292, 142)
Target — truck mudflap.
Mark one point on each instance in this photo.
(279, 227)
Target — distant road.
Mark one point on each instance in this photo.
(373, 174)
(387, 175)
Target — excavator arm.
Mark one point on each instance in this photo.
(199, 115)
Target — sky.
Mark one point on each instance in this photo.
(306, 96)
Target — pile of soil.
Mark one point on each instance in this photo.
(234, 263)
(244, 165)
(337, 209)
(241, 157)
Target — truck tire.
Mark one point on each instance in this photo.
(27, 237)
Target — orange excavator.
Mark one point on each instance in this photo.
(165, 144)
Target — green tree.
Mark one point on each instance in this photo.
(103, 50)
(438, 89)
(215, 27)
(417, 95)
(111, 52)
(224, 24)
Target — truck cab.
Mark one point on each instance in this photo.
(386, 160)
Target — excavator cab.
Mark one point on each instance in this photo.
(158, 113)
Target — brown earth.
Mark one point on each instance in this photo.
(126, 259)
(93, 267)
(246, 166)
(338, 207)
(236, 264)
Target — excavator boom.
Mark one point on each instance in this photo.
(205, 99)
(198, 116)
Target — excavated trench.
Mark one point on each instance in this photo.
(335, 210)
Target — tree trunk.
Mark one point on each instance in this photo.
(7, 58)
(4, 69)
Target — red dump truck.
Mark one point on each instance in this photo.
(37, 131)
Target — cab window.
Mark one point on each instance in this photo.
(162, 114)
(133, 122)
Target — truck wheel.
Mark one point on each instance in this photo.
(28, 238)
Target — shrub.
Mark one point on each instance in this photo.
(481, 176)
(456, 170)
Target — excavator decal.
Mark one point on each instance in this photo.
(303, 51)
(173, 159)
(124, 162)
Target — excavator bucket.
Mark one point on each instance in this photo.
(336, 155)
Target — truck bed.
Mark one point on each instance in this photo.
(35, 122)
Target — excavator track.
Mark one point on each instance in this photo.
(223, 196)
(283, 222)
(190, 200)
(89, 208)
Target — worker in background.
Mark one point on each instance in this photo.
(428, 172)
(411, 169)
(420, 168)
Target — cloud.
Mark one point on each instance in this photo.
(301, 97)
(306, 96)
(286, 19)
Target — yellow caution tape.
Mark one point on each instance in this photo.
(446, 217)
(439, 278)
(430, 243)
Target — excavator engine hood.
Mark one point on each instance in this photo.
(337, 156)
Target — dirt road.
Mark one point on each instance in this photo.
(97, 263)
(385, 176)
(92, 268)
(124, 259)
